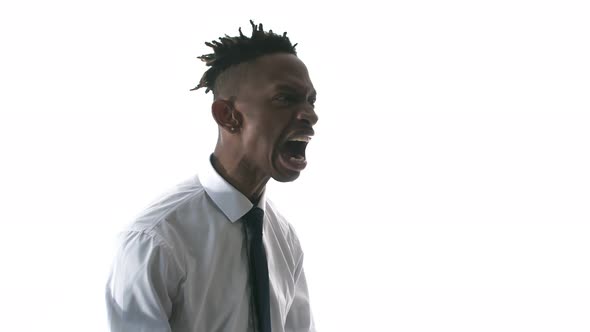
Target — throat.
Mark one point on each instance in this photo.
(241, 175)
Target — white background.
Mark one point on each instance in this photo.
(447, 188)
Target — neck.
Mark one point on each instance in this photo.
(240, 175)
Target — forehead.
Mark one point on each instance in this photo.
(281, 72)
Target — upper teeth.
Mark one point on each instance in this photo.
(302, 138)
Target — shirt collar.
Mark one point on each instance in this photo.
(227, 198)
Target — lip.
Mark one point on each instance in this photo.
(292, 165)
(298, 166)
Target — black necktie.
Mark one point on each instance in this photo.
(258, 269)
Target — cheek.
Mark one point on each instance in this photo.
(266, 147)
(262, 142)
(269, 142)
(271, 131)
(267, 134)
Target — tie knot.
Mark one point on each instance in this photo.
(254, 220)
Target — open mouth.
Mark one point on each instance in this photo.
(293, 152)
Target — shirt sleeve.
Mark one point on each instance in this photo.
(142, 285)
(300, 317)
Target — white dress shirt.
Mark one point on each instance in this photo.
(182, 265)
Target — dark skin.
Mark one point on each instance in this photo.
(255, 124)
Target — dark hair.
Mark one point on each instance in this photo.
(235, 50)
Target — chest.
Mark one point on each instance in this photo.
(217, 280)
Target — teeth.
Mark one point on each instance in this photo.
(298, 158)
(301, 138)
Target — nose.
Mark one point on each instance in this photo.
(308, 115)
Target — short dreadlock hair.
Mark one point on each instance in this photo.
(225, 76)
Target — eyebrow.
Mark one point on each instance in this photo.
(284, 86)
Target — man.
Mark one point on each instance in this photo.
(214, 254)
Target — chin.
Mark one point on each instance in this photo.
(286, 177)
(281, 174)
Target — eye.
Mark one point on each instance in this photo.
(286, 98)
(290, 99)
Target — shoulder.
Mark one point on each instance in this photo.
(151, 230)
(152, 221)
(173, 199)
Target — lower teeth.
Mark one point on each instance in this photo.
(298, 158)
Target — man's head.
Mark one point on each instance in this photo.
(263, 103)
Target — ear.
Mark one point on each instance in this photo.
(226, 116)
